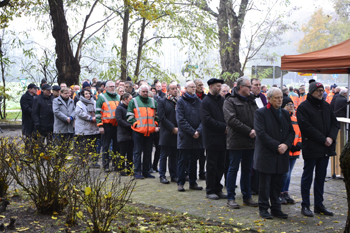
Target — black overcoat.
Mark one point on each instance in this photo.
(213, 122)
(270, 133)
(42, 112)
(317, 121)
(124, 131)
(340, 106)
(27, 120)
(167, 122)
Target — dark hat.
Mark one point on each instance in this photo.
(286, 100)
(32, 85)
(86, 84)
(46, 87)
(334, 86)
(313, 86)
(43, 81)
(312, 80)
(56, 88)
(128, 79)
(215, 80)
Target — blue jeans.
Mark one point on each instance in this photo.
(165, 152)
(142, 144)
(187, 157)
(306, 180)
(236, 156)
(286, 177)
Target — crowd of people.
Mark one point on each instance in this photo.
(199, 135)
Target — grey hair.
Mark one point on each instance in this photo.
(285, 90)
(241, 81)
(343, 92)
(108, 83)
(225, 85)
(197, 80)
(187, 83)
(144, 86)
(272, 90)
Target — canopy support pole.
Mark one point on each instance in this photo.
(281, 80)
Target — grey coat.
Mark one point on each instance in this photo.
(239, 116)
(62, 111)
(83, 120)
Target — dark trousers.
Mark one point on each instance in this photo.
(142, 144)
(254, 181)
(227, 164)
(202, 159)
(109, 135)
(269, 189)
(245, 158)
(126, 155)
(306, 180)
(157, 151)
(171, 153)
(215, 170)
(187, 156)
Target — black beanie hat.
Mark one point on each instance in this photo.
(313, 86)
(286, 100)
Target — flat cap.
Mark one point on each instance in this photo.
(46, 87)
(215, 80)
(56, 88)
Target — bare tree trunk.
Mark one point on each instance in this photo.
(139, 52)
(2, 64)
(124, 49)
(67, 65)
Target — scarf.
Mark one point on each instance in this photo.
(90, 104)
(190, 96)
(172, 98)
(200, 95)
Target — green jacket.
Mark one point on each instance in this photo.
(106, 105)
(142, 102)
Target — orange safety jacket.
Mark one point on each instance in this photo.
(38, 92)
(105, 109)
(142, 115)
(295, 100)
(302, 98)
(329, 97)
(297, 138)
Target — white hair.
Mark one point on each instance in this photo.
(108, 83)
(144, 86)
(242, 82)
(225, 85)
(343, 92)
(272, 90)
(188, 83)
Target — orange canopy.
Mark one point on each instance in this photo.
(332, 60)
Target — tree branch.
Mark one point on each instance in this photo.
(4, 3)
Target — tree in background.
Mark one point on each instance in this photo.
(317, 33)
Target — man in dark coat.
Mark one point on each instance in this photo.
(168, 134)
(319, 130)
(26, 106)
(335, 97)
(274, 137)
(239, 108)
(200, 94)
(42, 112)
(189, 137)
(214, 138)
(260, 100)
(340, 106)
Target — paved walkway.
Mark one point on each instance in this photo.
(152, 192)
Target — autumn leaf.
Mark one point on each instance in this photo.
(87, 191)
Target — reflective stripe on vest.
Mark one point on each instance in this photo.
(141, 118)
(109, 111)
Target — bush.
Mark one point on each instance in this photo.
(43, 170)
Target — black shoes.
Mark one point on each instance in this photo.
(232, 204)
(288, 198)
(174, 179)
(278, 214)
(250, 202)
(222, 195)
(306, 211)
(265, 214)
(196, 187)
(163, 180)
(322, 210)
(282, 200)
(180, 188)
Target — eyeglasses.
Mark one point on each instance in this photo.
(250, 87)
(320, 90)
(290, 105)
(191, 86)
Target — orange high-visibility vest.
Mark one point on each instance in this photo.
(38, 92)
(108, 111)
(295, 100)
(145, 119)
(302, 98)
(297, 138)
(329, 97)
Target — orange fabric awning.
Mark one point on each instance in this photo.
(332, 60)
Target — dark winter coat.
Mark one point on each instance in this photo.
(317, 122)
(161, 94)
(340, 106)
(213, 122)
(26, 106)
(167, 119)
(270, 133)
(335, 97)
(124, 131)
(189, 121)
(239, 117)
(42, 112)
